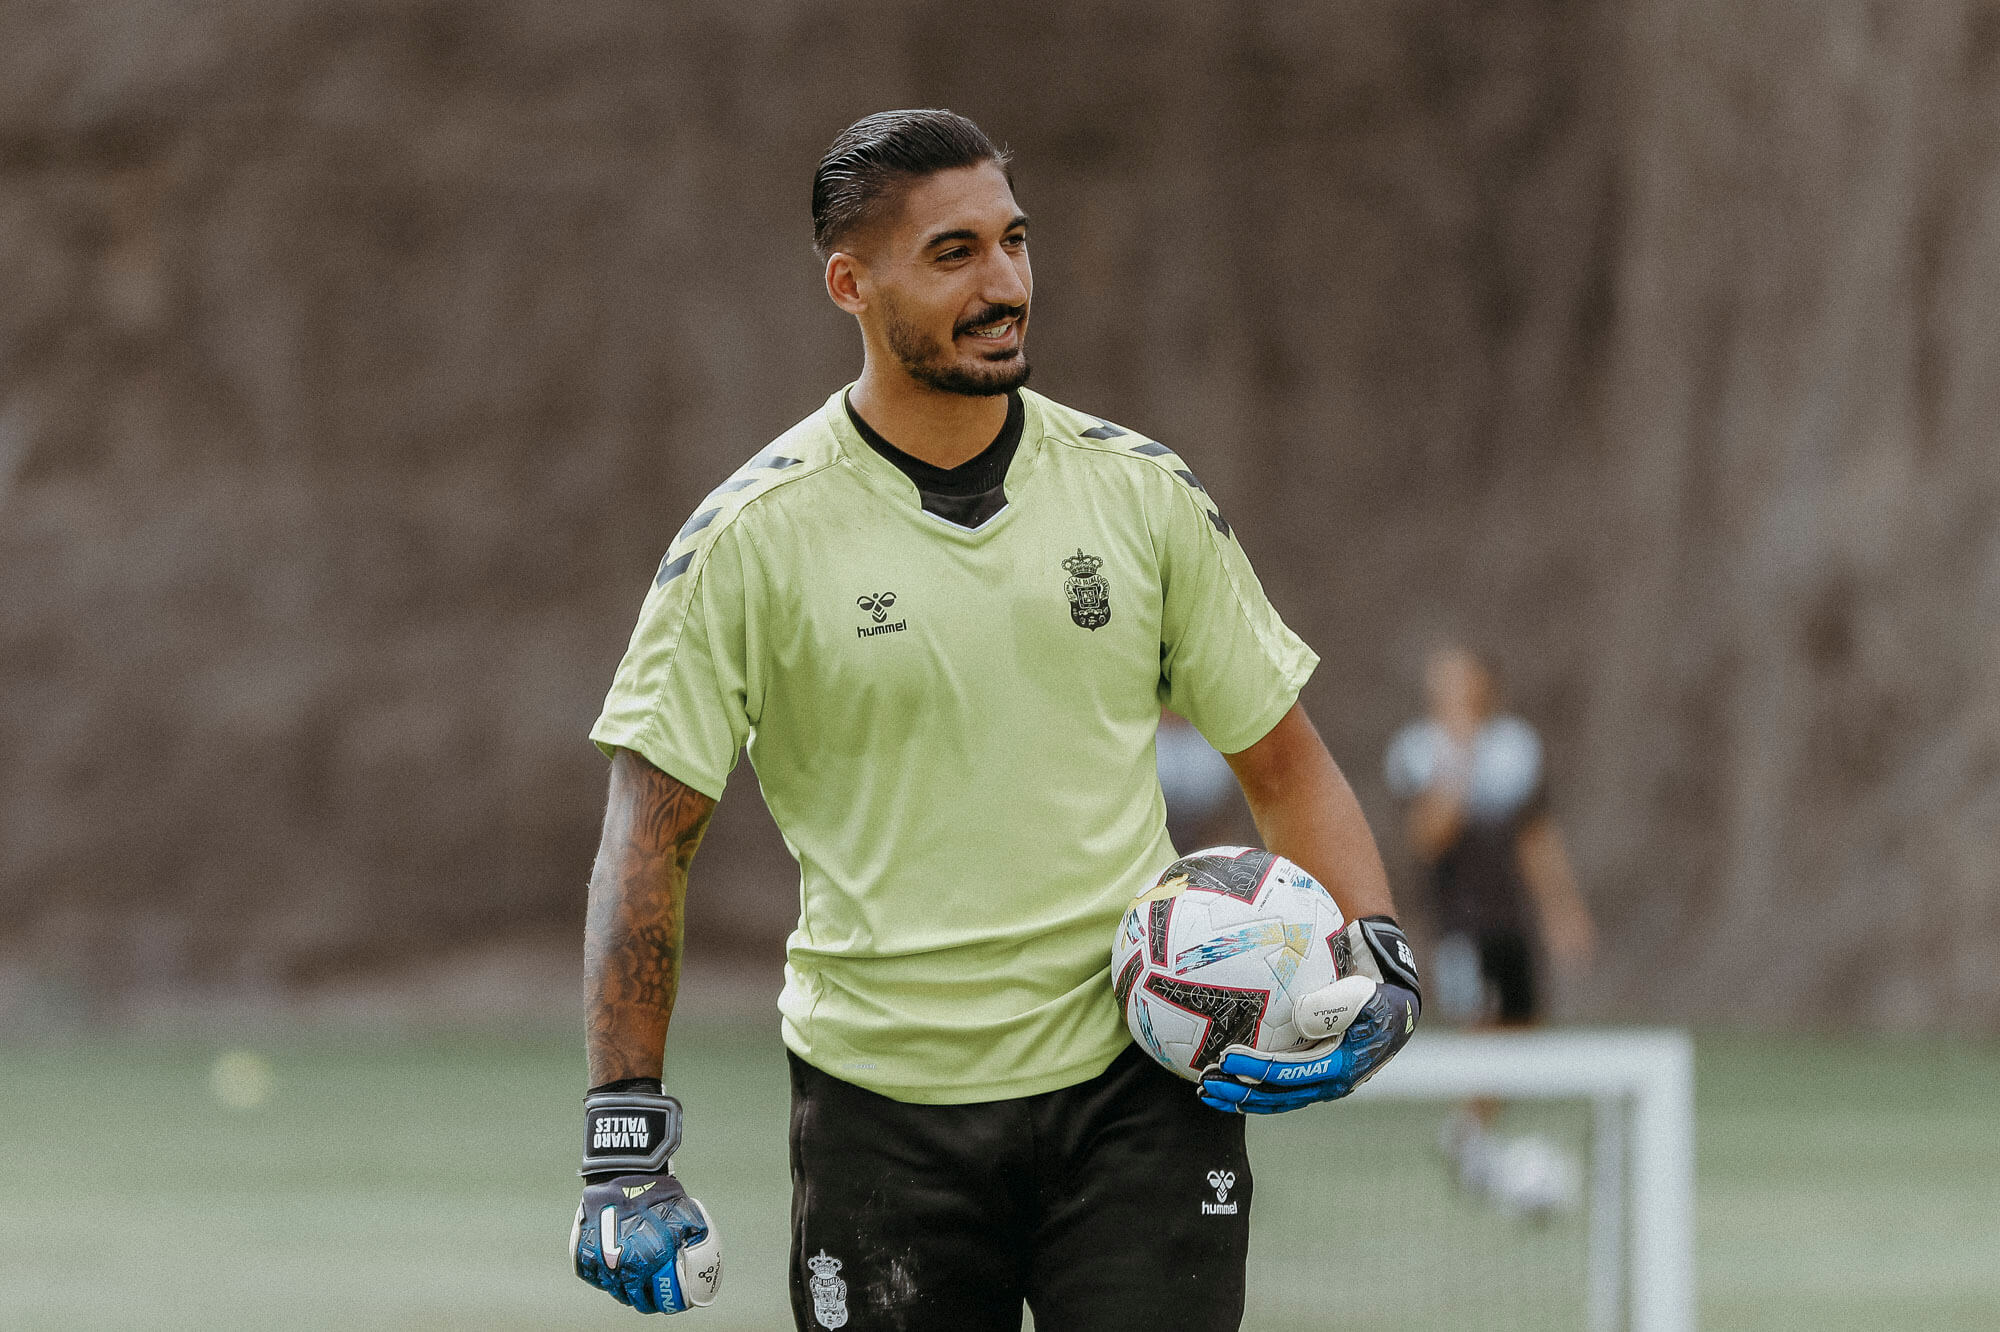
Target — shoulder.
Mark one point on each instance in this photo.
(1159, 468)
(808, 449)
(1095, 437)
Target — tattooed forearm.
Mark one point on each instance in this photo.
(633, 928)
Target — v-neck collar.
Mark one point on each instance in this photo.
(885, 477)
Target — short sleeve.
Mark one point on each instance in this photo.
(1228, 663)
(1507, 777)
(1411, 763)
(680, 697)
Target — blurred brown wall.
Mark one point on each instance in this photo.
(358, 360)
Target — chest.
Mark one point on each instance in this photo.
(1053, 606)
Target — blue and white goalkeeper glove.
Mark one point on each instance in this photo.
(637, 1233)
(1365, 1017)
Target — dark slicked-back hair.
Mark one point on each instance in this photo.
(873, 159)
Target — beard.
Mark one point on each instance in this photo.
(935, 364)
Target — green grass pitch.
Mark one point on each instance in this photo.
(427, 1184)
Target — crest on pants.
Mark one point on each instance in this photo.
(828, 1291)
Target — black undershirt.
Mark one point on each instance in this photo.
(968, 494)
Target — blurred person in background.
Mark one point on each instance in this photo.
(1505, 901)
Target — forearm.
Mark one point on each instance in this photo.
(1307, 813)
(1544, 864)
(635, 920)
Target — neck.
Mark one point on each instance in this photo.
(942, 429)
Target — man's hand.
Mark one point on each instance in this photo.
(1367, 1016)
(643, 1239)
(637, 1234)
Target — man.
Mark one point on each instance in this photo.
(944, 613)
(1478, 821)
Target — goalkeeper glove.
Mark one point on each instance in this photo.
(637, 1234)
(1365, 1017)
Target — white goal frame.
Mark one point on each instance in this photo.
(1640, 1084)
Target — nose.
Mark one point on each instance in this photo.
(1005, 280)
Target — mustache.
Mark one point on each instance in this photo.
(987, 316)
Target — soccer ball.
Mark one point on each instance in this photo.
(1219, 952)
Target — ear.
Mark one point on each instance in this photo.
(845, 276)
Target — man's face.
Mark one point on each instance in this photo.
(948, 283)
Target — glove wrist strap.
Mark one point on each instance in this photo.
(630, 1133)
(1389, 950)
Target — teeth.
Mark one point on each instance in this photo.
(998, 330)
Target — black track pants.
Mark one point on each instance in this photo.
(1121, 1203)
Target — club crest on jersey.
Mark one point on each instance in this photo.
(1089, 595)
(829, 1292)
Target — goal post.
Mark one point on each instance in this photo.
(1640, 1084)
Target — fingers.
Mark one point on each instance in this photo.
(623, 1283)
(700, 1264)
(589, 1257)
(1296, 1068)
(1235, 1098)
(1326, 1012)
(691, 1270)
(1222, 1094)
(1254, 1083)
(643, 1293)
(669, 1254)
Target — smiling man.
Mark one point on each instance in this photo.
(944, 613)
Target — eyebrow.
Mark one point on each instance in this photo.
(967, 233)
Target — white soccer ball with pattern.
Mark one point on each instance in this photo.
(1220, 951)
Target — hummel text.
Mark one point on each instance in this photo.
(870, 630)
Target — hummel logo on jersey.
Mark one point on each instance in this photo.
(1222, 1181)
(877, 607)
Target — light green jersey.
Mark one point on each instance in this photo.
(954, 729)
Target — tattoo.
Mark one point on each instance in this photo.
(633, 928)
